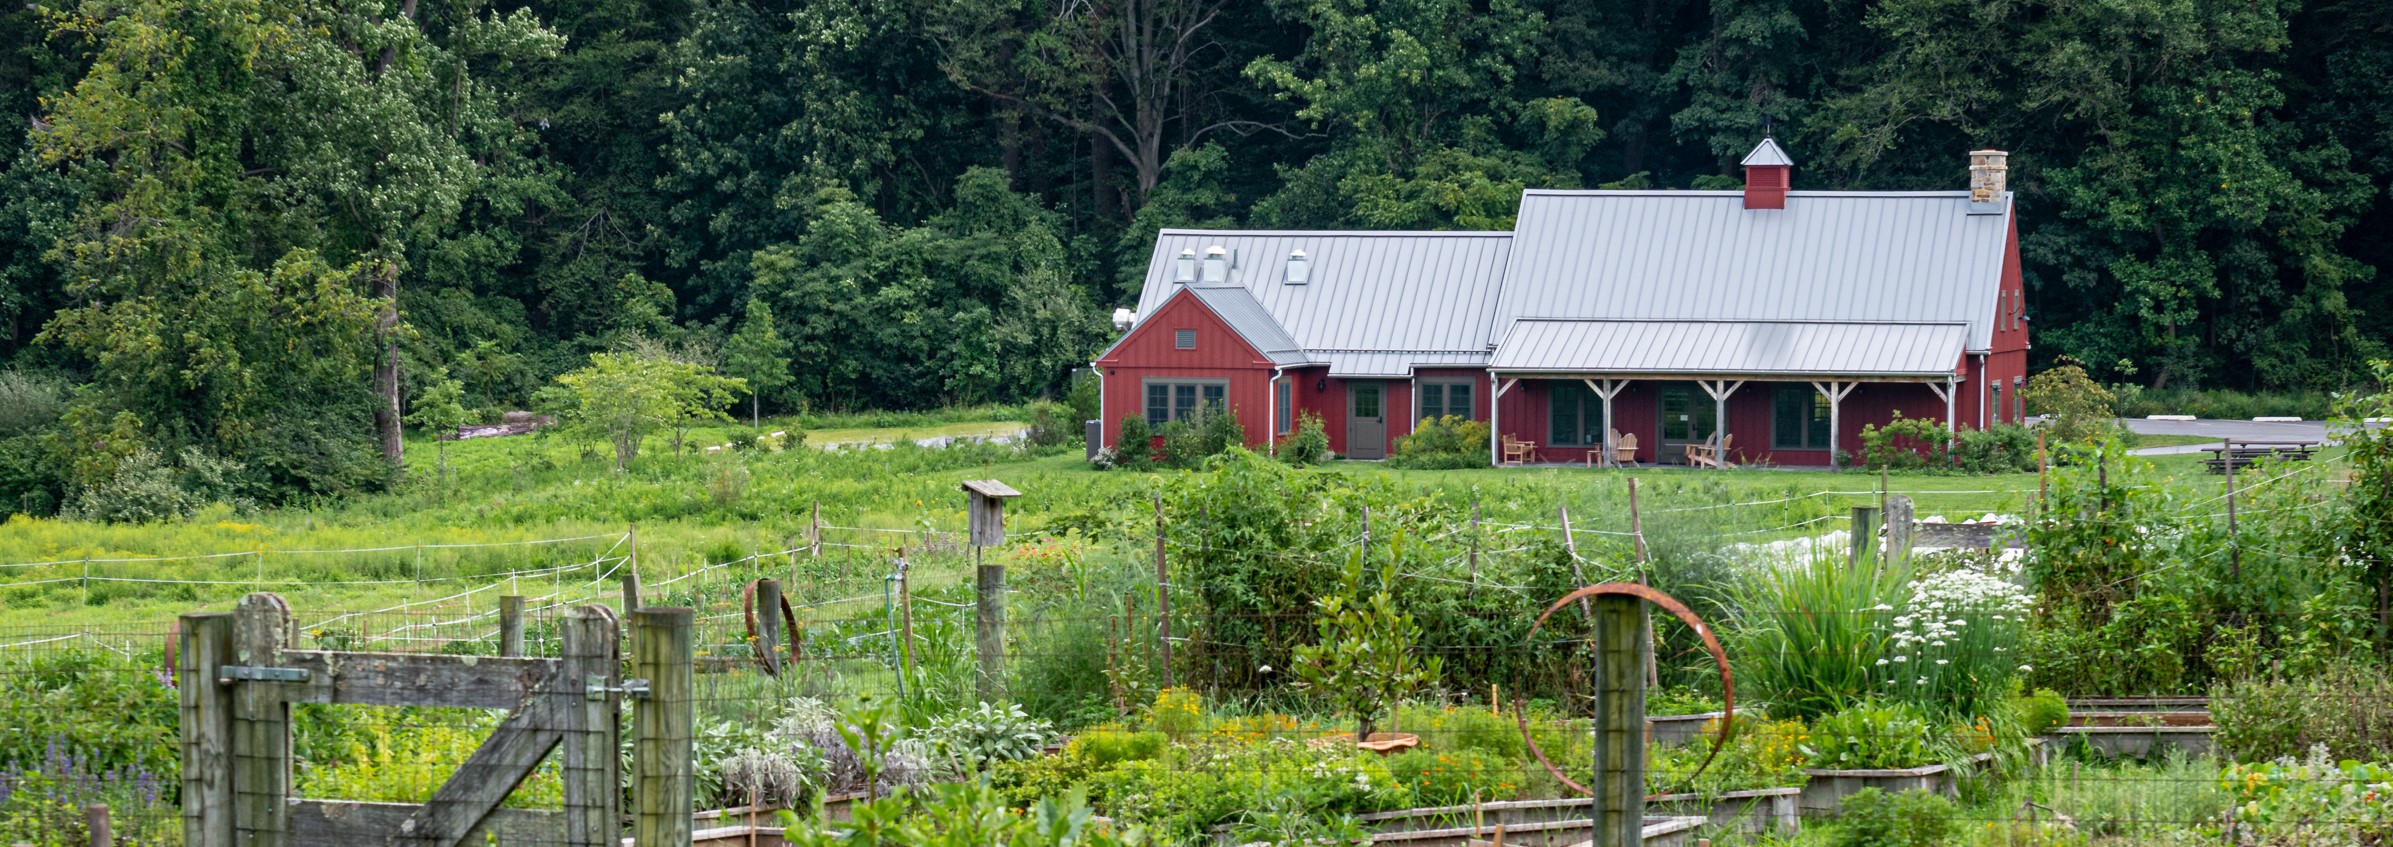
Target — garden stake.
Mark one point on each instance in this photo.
(1570, 541)
(2234, 551)
(1366, 533)
(1163, 597)
(1474, 586)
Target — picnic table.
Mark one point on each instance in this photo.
(2238, 455)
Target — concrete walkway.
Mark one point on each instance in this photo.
(2238, 430)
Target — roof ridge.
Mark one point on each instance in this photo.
(1348, 233)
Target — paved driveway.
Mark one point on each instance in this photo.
(2238, 430)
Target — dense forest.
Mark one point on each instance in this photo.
(233, 233)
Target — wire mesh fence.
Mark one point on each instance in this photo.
(1172, 677)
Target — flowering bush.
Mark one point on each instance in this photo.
(1454, 778)
(1871, 736)
(2311, 801)
(1954, 647)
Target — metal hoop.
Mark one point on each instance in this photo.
(1728, 688)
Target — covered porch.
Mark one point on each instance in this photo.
(1722, 394)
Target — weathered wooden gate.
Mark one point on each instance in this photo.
(238, 674)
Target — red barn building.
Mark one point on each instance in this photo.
(1781, 321)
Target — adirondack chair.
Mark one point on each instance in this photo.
(1518, 452)
(1712, 453)
(1624, 449)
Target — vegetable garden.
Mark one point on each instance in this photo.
(1193, 656)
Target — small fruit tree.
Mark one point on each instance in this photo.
(1365, 661)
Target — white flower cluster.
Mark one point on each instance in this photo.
(1939, 614)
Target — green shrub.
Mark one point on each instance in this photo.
(1049, 427)
(1681, 700)
(1367, 659)
(1446, 443)
(2076, 409)
(1874, 818)
(1762, 754)
(1136, 449)
(1309, 445)
(2001, 448)
(2222, 404)
(1906, 444)
(1084, 397)
(1871, 736)
(146, 489)
(1188, 443)
(2042, 711)
(976, 737)
(1108, 746)
(2346, 708)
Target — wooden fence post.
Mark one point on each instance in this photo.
(905, 616)
(592, 751)
(511, 626)
(206, 713)
(989, 630)
(1899, 525)
(768, 624)
(1619, 780)
(631, 573)
(261, 726)
(1163, 597)
(664, 772)
(95, 818)
(1863, 539)
(814, 533)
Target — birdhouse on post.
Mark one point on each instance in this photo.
(988, 530)
(988, 510)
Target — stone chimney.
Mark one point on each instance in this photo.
(1989, 177)
(1767, 171)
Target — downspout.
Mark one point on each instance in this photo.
(1985, 380)
(1495, 419)
(1271, 424)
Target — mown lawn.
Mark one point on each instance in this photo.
(708, 507)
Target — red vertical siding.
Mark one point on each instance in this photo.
(1150, 352)
(1526, 415)
(1765, 186)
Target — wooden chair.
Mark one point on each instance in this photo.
(1517, 452)
(1624, 450)
(1712, 453)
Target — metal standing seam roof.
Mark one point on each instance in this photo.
(1412, 296)
(1238, 308)
(1866, 257)
(1792, 348)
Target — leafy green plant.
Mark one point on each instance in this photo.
(1135, 450)
(1874, 818)
(1309, 445)
(1450, 778)
(1810, 634)
(970, 814)
(2312, 800)
(1365, 661)
(2345, 709)
(984, 734)
(1681, 700)
(2076, 409)
(1871, 735)
(1761, 754)
(1443, 443)
(1906, 444)
(2042, 711)
(620, 398)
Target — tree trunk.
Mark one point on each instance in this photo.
(755, 410)
(386, 372)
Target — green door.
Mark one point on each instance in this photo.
(1688, 417)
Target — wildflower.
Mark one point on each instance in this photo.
(2026, 669)
(1263, 669)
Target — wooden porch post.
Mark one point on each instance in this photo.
(1720, 389)
(1835, 392)
(1607, 390)
(1945, 393)
(1495, 430)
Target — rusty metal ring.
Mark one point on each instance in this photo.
(789, 621)
(1728, 689)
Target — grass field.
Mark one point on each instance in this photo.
(432, 536)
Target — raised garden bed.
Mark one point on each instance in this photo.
(2137, 742)
(1526, 823)
(2139, 704)
(2139, 718)
(1754, 812)
(1825, 794)
(1676, 729)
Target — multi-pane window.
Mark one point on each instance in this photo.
(1442, 398)
(1283, 406)
(1179, 400)
(1184, 339)
(1575, 416)
(1799, 418)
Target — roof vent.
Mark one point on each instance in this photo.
(1767, 171)
(1300, 268)
(1989, 178)
(1217, 266)
(1184, 268)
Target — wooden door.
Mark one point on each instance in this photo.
(1688, 417)
(1366, 420)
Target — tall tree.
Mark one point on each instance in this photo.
(757, 353)
(258, 176)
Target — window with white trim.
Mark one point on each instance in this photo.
(1184, 339)
(1179, 399)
